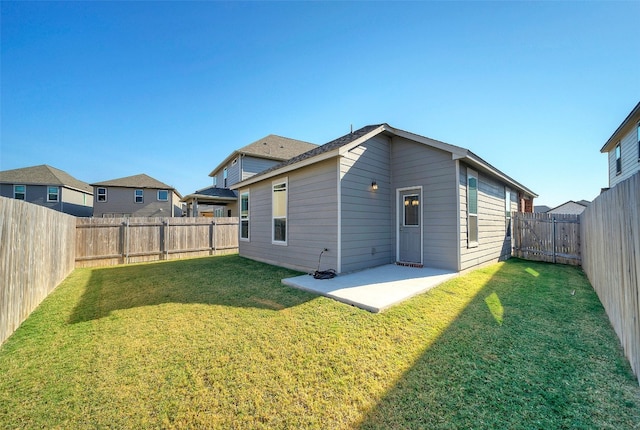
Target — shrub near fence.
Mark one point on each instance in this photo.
(611, 259)
(36, 253)
(111, 241)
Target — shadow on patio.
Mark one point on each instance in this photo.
(226, 280)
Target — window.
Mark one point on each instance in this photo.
(163, 195)
(472, 208)
(20, 192)
(138, 196)
(101, 196)
(234, 162)
(638, 137)
(215, 181)
(618, 160)
(53, 194)
(279, 208)
(507, 210)
(411, 210)
(219, 212)
(224, 177)
(244, 215)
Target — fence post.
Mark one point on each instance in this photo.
(553, 240)
(163, 240)
(214, 238)
(126, 241)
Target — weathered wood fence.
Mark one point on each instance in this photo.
(611, 260)
(36, 253)
(111, 241)
(554, 238)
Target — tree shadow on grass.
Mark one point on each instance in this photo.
(226, 280)
(533, 349)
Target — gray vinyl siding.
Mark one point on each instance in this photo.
(69, 201)
(629, 155)
(367, 226)
(121, 202)
(493, 244)
(311, 219)
(415, 164)
(253, 165)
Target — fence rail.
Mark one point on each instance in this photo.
(611, 260)
(111, 241)
(553, 238)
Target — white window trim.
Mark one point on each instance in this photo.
(57, 194)
(473, 174)
(404, 210)
(284, 181)
(163, 200)
(248, 218)
(215, 181)
(135, 196)
(225, 177)
(618, 150)
(24, 192)
(98, 194)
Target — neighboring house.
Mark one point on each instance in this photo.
(240, 165)
(623, 148)
(570, 208)
(541, 209)
(137, 196)
(50, 187)
(376, 196)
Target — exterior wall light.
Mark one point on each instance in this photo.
(374, 185)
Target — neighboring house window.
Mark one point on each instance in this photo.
(163, 195)
(102, 195)
(139, 196)
(472, 208)
(219, 212)
(234, 162)
(638, 137)
(224, 177)
(507, 210)
(20, 192)
(618, 159)
(244, 215)
(53, 194)
(215, 181)
(279, 208)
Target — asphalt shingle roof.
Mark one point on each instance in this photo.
(136, 181)
(276, 147)
(43, 175)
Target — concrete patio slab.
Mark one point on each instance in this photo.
(374, 289)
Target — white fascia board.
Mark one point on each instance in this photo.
(483, 165)
(359, 141)
(457, 151)
(286, 169)
(225, 162)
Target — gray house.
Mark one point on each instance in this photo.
(50, 187)
(238, 166)
(380, 195)
(623, 148)
(135, 196)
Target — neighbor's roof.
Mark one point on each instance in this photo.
(345, 143)
(136, 181)
(630, 120)
(211, 194)
(43, 175)
(271, 147)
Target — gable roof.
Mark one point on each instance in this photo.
(631, 119)
(349, 141)
(136, 181)
(271, 147)
(43, 175)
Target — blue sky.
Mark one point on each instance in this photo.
(104, 90)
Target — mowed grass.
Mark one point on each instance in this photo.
(220, 343)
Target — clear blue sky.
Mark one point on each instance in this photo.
(113, 89)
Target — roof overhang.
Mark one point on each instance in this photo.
(629, 121)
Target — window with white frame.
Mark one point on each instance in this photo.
(472, 208)
(638, 138)
(507, 210)
(279, 210)
(101, 195)
(20, 192)
(163, 195)
(225, 174)
(618, 155)
(218, 212)
(244, 215)
(53, 194)
(215, 181)
(138, 196)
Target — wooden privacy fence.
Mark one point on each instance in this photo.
(36, 254)
(554, 238)
(111, 241)
(611, 260)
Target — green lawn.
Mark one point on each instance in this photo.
(220, 343)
